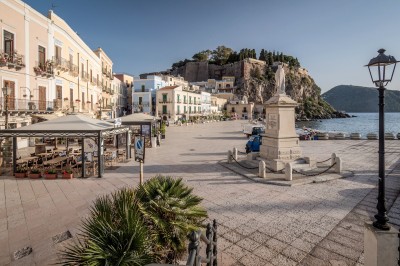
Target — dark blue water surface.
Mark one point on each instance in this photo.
(364, 123)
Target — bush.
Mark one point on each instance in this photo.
(171, 211)
(138, 227)
(114, 234)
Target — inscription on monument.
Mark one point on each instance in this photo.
(272, 121)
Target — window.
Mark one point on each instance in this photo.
(190, 109)
(164, 97)
(195, 109)
(184, 109)
(164, 109)
(179, 98)
(228, 86)
(9, 43)
(194, 99)
(71, 61)
(143, 88)
(58, 54)
(140, 100)
(184, 100)
(91, 75)
(244, 110)
(58, 92)
(233, 109)
(42, 57)
(179, 109)
(190, 99)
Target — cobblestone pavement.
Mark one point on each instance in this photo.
(259, 224)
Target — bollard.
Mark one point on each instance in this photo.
(289, 172)
(338, 166)
(262, 169)
(229, 156)
(235, 153)
(333, 156)
(311, 162)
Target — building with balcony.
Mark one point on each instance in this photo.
(127, 88)
(217, 105)
(48, 67)
(205, 103)
(178, 103)
(240, 109)
(144, 93)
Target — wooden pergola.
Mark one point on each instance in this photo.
(70, 126)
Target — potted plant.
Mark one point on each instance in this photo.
(20, 172)
(34, 174)
(51, 174)
(67, 174)
(162, 130)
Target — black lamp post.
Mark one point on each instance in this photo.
(385, 66)
(6, 92)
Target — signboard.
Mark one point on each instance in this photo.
(139, 148)
(117, 122)
(90, 145)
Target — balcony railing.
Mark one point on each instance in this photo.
(25, 105)
(164, 101)
(44, 69)
(73, 70)
(104, 71)
(13, 60)
(61, 64)
(94, 81)
(84, 76)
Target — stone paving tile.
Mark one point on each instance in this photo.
(253, 260)
(259, 237)
(248, 244)
(294, 253)
(276, 245)
(280, 260)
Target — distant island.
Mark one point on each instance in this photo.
(357, 99)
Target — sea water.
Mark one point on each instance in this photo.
(363, 123)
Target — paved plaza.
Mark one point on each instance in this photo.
(259, 224)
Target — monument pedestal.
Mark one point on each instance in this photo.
(280, 141)
(380, 247)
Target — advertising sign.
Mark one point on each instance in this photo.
(139, 148)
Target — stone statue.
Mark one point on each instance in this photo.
(245, 100)
(259, 97)
(280, 80)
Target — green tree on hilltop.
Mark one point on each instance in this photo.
(202, 56)
(221, 54)
(262, 55)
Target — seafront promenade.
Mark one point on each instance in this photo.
(259, 224)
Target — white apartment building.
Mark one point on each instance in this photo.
(176, 103)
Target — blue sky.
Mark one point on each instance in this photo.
(332, 39)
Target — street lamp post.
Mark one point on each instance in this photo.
(6, 92)
(100, 111)
(385, 66)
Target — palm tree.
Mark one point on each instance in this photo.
(114, 234)
(171, 212)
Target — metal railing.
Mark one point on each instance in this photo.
(44, 69)
(12, 60)
(26, 105)
(61, 63)
(210, 239)
(73, 70)
(84, 76)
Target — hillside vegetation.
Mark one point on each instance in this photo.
(361, 99)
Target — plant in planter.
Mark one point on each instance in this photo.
(51, 174)
(163, 130)
(34, 174)
(67, 174)
(20, 172)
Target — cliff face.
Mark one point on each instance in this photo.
(256, 80)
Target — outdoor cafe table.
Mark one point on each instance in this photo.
(55, 161)
(27, 159)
